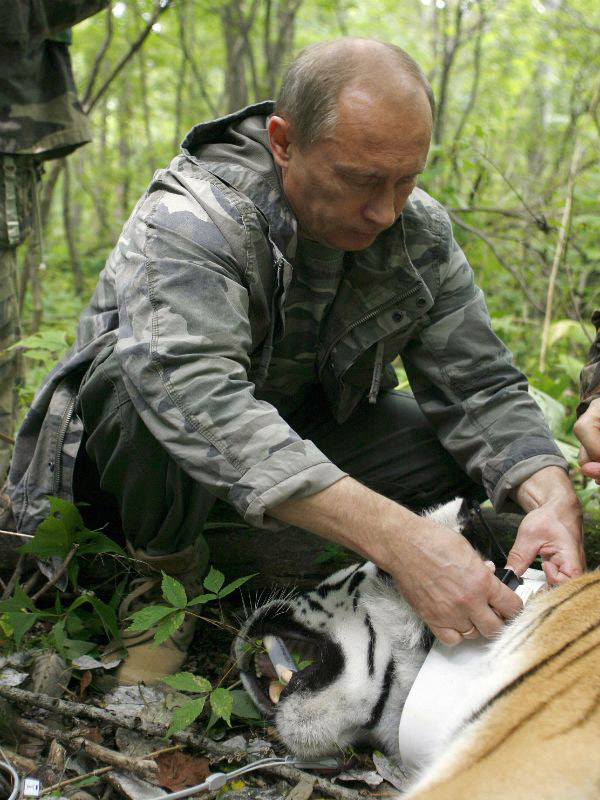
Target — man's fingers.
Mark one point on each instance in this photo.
(591, 469)
(504, 601)
(447, 636)
(582, 456)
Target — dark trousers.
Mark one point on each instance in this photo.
(131, 482)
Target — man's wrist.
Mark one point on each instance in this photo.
(548, 485)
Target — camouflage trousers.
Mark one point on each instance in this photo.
(131, 482)
(17, 184)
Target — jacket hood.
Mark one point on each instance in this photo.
(240, 138)
(236, 149)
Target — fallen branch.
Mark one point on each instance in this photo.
(104, 770)
(143, 767)
(215, 750)
(14, 578)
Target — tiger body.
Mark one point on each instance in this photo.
(535, 732)
(529, 723)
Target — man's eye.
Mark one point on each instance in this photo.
(361, 181)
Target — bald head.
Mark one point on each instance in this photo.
(316, 79)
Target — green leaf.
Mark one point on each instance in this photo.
(96, 542)
(51, 539)
(146, 618)
(46, 340)
(75, 648)
(18, 602)
(231, 587)
(168, 627)
(214, 580)
(243, 706)
(202, 598)
(185, 715)
(173, 591)
(69, 513)
(59, 636)
(188, 682)
(104, 612)
(221, 703)
(20, 622)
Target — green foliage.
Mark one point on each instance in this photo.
(63, 532)
(168, 618)
(77, 628)
(332, 553)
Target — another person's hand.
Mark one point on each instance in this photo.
(587, 430)
(552, 528)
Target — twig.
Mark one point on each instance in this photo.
(215, 750)
(5, 438)
(99, 57)
(559, 252)
(73, 710)
(540, 221)
(499, 258)
(104, 770)
(14, 578)
(58, 574)
(159, 9)
(17, 533)
(143, 767)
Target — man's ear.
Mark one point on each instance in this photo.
(279, 137)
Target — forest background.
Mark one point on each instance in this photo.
(514, 159)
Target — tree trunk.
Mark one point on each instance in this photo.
(69, 230)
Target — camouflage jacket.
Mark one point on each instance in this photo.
(39, 111)
(193, 297)
(590, 374)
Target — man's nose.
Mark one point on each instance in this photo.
(381, 208)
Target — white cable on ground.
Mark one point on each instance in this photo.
(6, 767)
(219, 779)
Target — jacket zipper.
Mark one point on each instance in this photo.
(370, 315)
(62, 432)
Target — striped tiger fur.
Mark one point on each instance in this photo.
(535, 728)
(531, 721)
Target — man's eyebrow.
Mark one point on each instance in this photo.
(361, 173)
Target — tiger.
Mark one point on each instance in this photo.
(534, 728)
(528, 722)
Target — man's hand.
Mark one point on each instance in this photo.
(587, 430)
(435, 568)
(451, 588)
(552, 527)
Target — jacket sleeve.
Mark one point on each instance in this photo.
(183, 272)
(590, 374)
(24, 23)
(467, 386)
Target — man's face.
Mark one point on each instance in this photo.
(353, 183)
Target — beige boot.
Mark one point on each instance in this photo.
(145, 662)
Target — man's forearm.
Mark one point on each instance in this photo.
(354, 516)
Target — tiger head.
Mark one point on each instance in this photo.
(358, 647)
